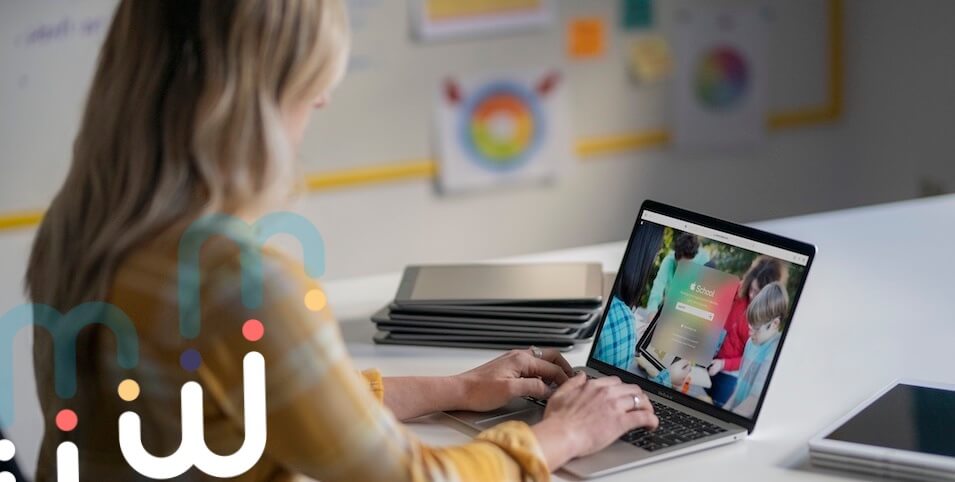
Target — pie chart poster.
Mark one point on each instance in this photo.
(721, 82)
(501, 129)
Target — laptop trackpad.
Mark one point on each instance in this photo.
(530, 416)
(517, 409)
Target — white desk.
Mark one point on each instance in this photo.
(877, 306)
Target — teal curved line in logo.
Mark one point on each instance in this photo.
(64, 329)
(249, 238)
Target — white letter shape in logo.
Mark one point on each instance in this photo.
(67, 462)
(192, 449)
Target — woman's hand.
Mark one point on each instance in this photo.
(517, 373)
(584, 416)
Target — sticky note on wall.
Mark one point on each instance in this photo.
(586, 38)
(637, 14)
(649, 59)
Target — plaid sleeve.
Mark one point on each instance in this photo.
(377, 386)
(617, 337)
(323, 421)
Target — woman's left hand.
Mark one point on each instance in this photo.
(517, 373)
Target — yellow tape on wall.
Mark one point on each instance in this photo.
(18, 220)
(586, 148)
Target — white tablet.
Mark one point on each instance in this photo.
(907, 429)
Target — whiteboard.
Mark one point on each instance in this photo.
(383, 111)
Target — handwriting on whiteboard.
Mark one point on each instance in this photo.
(62, 30)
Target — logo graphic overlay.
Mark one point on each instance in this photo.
(192, 450)
(64, 329)
(67, 455)
(7, 451)
(249, 238)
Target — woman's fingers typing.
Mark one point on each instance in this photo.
(532, 387)
(538, 367)
(554, 356)
(599, 411)
(603, 383)
(641, 418)
(630, 398)
(574, 382)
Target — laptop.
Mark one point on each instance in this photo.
(672, 325)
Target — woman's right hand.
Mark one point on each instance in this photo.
(584, 416)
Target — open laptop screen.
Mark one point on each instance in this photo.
(700, 311)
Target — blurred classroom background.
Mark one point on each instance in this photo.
(853, 99)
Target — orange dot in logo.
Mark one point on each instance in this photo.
(66, 420)
(128, 390)
(315, 300)
(253, 330)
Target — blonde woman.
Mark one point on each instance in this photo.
(198, 107)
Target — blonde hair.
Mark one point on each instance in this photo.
(184, 117)
(770, 303)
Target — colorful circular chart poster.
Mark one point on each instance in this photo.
(722, 78)
(501, 126)
(721, 81)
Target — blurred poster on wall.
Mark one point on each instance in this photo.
(500, 129)
(721, 82)
(444, 19)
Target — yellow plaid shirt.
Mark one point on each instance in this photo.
(325, 420)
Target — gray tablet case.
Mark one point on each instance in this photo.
(383, 338)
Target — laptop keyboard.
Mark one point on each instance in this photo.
(675, 428)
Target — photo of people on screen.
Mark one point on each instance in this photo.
(698, 315)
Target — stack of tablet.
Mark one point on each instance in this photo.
(494, 306)
(906, 431)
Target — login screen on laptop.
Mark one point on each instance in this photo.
(700, 311)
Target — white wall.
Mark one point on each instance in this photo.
(384, 228)
(900, 97)
(26, 430)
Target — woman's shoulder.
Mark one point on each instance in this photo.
(220, 263)
(241, 263)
